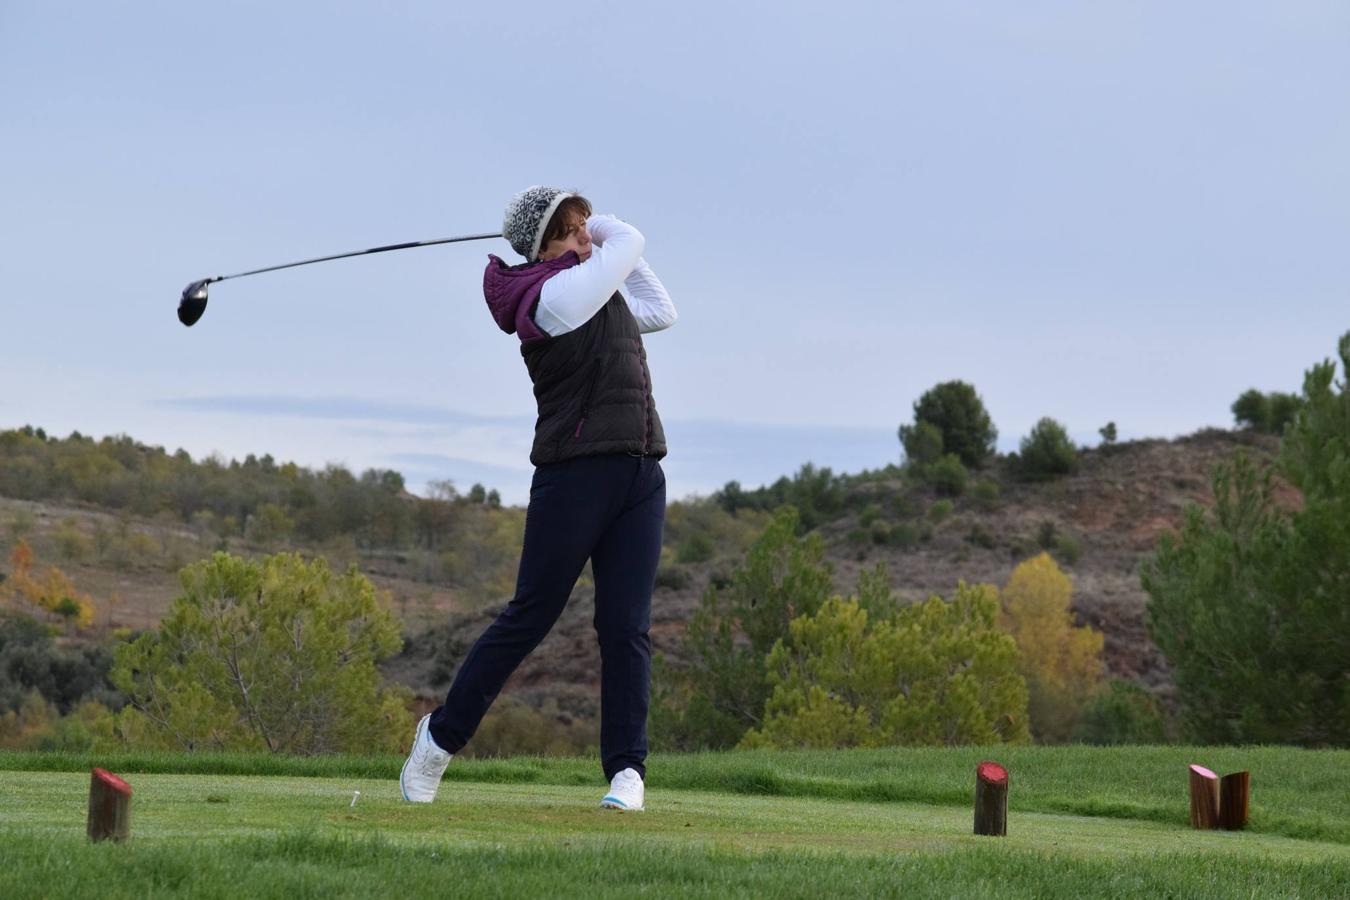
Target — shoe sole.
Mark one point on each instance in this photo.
(616, 803)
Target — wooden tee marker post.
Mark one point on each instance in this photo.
(1219, 803)
(109, 807)
(991, 799)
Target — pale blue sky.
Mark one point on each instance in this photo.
(1093, 211)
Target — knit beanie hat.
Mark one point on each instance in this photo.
(527, 215)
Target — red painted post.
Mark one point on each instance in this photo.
(991, 799)
(109, 807)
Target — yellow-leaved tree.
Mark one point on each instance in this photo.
(1061, 662)
(52, 594)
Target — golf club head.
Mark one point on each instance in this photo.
(193, 304)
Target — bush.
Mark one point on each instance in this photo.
(947, 475)
(939, 511)
(981, 536)
(957, 412)
(870, 514)
(934, 673)
(514, 728)
(1047, 452)
(986, 493)
(696, 548)
(276, 655)
(1067, 549)
(904, 535)
(71, 543)
(673, 578)
(1121, 713)
(1108, 433)
(1046, 535)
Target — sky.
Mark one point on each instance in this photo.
(1126, 212)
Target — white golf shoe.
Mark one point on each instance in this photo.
(426, 764)
(625, 792)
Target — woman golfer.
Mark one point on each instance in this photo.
(598, 491)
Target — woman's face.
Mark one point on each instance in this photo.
(575, 238)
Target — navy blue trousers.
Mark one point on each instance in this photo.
(610, 509)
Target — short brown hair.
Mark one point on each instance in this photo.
(567, 209)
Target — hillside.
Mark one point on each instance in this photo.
(1100, 523)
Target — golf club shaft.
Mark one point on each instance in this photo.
(305, 262)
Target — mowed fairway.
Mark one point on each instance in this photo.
(531, 828)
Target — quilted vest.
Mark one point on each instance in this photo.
(594, 390)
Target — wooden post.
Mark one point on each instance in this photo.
(1234, 793)
(1204, 798)
(991, 799)
(109, 807)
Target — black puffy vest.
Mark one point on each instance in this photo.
(594, 390)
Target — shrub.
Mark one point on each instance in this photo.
(939, 511)
(1108, 433)
(986, 493)
(981, 536)
(934, 673)
(958, 414)
(514, 728)
(673, 578)
(1046, 535)
(1121, 713)
(696, 548)
(947, 475)
(870, 514)
(1067, 549)
(71, 543)
(277, 654)
(904, 534)
(1047, 452)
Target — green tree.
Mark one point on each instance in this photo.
(720, 690)
(1252, 410)
(922, 442)
(933, 673)
(1269, 413)
(1047, 452)
(958, 413)
(1251, 602)
(278, 655)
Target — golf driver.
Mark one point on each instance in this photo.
(193, 302)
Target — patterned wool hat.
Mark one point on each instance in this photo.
(527, 215)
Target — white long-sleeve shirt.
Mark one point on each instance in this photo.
(569, 298)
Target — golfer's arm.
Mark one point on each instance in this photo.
(648, 300)
(569, 299)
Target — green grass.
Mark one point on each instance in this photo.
(866, 823)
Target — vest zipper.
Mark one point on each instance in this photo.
(646, 401)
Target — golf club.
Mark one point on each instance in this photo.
(193, 302)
